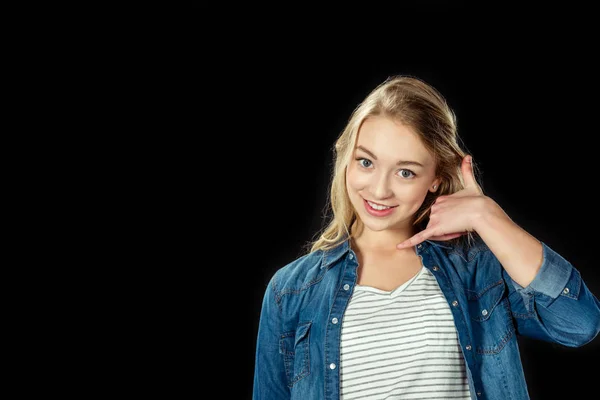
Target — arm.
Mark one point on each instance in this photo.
(556, 304)
(548, 298)
(519, 253)
(270, 380)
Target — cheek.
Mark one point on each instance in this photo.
(356, 180)
(417, 192)
(410, 195)
(416, 195)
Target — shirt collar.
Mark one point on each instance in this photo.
(332, 255)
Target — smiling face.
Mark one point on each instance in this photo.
(389, 175)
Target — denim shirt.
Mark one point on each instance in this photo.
(298, 341)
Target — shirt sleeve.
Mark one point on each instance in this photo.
(557, 304)
(270, 380)
(552, 278)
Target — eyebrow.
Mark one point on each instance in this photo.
(401, 162)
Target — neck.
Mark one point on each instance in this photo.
(385, 240)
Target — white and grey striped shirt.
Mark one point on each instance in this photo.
(401, 344)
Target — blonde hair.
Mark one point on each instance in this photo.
(414, 103)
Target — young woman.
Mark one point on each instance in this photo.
(420, 284)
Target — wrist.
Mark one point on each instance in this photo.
(487, 212)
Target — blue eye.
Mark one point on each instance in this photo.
(411, 174)
(360, 161)
(404, 173)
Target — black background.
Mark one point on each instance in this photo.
(281, 85)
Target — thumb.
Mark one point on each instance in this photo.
(468, 174)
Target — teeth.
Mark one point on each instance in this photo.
(377, 206)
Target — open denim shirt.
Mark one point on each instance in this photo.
(298, 346)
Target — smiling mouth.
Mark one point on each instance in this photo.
(377, 209)
(372, 203)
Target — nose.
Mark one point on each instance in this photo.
(381, 188)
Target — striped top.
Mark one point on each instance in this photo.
(401, 344)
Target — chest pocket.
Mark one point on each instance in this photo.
(294, 346)
(491, 320)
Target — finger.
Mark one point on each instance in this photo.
(442, 202)
(416, 239)
(441, 199)
(468, 174)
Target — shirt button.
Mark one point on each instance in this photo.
(435, 268)
(484, 312)
(455, 303)
(566, 290)
(335, 320)
(478, 393)
(351, 256)
(419, 246)
(332, 366)
(468, 347)
(346, 286)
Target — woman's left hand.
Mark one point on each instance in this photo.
(456, 214)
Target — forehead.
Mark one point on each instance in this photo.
(393, 141)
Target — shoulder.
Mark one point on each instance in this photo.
(307, 270)
(298, 269)
(465, 248)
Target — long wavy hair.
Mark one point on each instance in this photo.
(412, 102)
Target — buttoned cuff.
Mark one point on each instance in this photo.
(552, 276)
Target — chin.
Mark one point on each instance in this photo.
(378, 226)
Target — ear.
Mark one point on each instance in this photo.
(435, 185)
